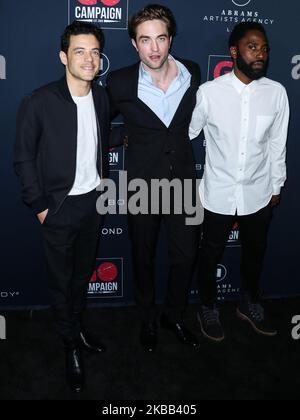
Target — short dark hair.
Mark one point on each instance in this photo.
(80, 28)
(152, 12)
(240, 30)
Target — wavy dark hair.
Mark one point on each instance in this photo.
(152, 12)
(80, 28)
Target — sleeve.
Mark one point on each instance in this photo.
(199, 116)
(114, 111)
(278, 139)
(117, 134)
(25, 156)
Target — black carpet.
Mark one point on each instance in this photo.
(245, 366)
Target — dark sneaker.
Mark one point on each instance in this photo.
(254, 314)
(209, 320)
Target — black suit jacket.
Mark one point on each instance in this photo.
(154, 150)
(46, 144)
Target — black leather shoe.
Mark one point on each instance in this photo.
(148, 337)
(91, 344)
(181, 332)
(74, 367)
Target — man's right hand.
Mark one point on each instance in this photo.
(42, 216)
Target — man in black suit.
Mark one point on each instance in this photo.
(156, 98)
(61, 155)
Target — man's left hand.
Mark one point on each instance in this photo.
(275, 200)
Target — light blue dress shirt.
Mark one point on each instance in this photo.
(164, 104)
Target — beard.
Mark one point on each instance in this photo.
(249, 70)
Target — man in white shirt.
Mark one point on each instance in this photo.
(245, 120)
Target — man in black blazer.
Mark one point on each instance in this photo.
(156, 98)
(61, 155)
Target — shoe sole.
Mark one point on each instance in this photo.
(245, 318)
(215, 340)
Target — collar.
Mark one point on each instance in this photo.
(240, 86)
(64, 88)
(182, 75)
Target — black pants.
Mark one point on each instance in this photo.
(70, 244)
(183, 243)
(216, 230)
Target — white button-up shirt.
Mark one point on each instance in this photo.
(245, 127)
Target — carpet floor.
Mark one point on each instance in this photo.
(245, 366)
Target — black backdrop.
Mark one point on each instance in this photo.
(29, 45)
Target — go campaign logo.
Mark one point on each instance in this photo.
(105, 2)
(107, 279)
(2, 328)
(109, 14)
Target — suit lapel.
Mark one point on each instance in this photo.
(135, 92)
(186, 99)
(183, 103)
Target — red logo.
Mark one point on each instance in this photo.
(110, 2)
(107, 272)
(94, 277)
(88, 2)
(223, 67)
(105, 2)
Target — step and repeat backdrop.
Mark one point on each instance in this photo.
(29, 44)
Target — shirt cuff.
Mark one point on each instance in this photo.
(276, 190)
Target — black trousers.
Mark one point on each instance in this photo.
(183, 244)
(216, 230)
(70, 245)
